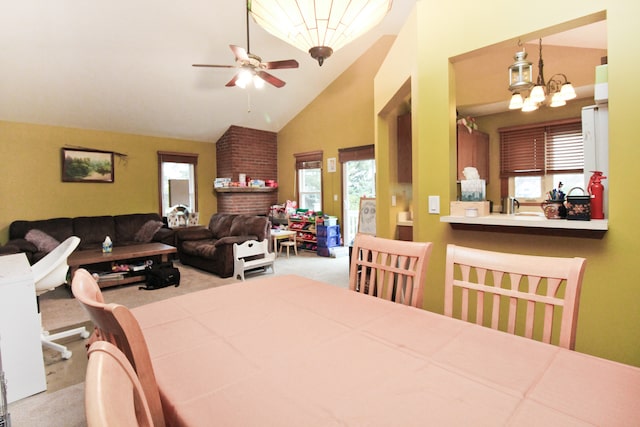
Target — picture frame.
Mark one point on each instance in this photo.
(82, 165)
(331, 164)
(367, 216)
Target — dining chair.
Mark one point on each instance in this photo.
(116, 324)
(527, 295)
(113, 395)
(391, 269)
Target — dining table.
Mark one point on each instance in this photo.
(293, 351)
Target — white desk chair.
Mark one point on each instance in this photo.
(49, 273)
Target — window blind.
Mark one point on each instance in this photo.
(536, 150)
(309, 160)
(364, 152)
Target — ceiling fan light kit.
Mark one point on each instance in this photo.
(319, 27)
(520, 75)
(252, 69)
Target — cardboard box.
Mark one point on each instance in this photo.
(467, 208)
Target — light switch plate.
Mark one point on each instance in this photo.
(434, 204)
(393, 200)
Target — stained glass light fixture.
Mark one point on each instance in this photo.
(319, 27)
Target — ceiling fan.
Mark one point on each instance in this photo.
(252, 69)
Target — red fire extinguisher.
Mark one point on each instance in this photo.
(596, 190)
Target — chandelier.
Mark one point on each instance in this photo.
(558, 88)
(319, 27)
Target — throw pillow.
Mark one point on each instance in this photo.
(147, 231)
(41, 240)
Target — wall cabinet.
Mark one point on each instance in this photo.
(404, 148)
(473, 150)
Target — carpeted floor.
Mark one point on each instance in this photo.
(62, 404)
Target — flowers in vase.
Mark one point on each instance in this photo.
(469, 123)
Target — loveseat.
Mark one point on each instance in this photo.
(36, 238)
(211, 248)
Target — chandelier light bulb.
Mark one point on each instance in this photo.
(529, 105)
(516, 102)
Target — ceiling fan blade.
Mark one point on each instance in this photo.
(239, 52)
(271, 79)
(232, 82)
(287, 63)
(214, 66)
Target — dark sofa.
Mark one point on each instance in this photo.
(92, 230)
(211, 248)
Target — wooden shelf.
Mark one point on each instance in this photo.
(245, 189)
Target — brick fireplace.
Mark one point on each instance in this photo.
(254, 153)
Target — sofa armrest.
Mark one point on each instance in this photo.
(165, 235)
(230, 240)
(194, 234)
(9, 249)
(22, 245)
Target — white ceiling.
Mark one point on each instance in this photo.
(125, 66)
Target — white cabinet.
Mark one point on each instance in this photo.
(20, 346)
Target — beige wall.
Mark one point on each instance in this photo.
(609, 319)
(341, 117)
(31, 186)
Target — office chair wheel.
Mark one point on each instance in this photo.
(66, 354)
(85, 334)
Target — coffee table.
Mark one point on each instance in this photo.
(128, 253)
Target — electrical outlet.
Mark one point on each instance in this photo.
(434, 204)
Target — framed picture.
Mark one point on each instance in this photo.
(331, 164)
(80, 165)
(367, 216)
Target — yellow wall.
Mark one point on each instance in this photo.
(31, 186)
(609, 319)
(340, 117)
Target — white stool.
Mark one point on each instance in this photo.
(288, 244)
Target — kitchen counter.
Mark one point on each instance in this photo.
(528, 221)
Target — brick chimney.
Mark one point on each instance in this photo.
(251, 152)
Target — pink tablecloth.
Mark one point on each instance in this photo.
(290, 351)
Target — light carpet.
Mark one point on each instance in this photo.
(65, 407)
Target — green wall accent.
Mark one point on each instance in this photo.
(609, 318)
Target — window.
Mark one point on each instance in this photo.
(177, 181)
(309, 174)
(536, 159)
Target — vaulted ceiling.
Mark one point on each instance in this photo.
(126, 66)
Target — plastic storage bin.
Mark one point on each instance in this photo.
(327, 231)
(328, 242)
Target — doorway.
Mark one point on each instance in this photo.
(359, 180)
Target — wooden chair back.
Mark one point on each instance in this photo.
(391, 269)
(525, 294)
(113, 393)
(116, 324)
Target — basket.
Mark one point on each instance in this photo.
(578, 207)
